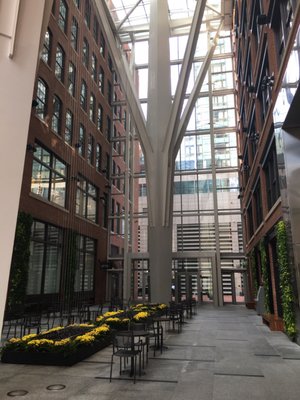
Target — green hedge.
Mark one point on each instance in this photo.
(285, 276)
(265, 275)
(20, 261)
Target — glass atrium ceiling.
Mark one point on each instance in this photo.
(131, 17)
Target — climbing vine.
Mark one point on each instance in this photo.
(285, 276)
(20, 261)
(263, 260)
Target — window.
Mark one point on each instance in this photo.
(45, 259)
(105, 210)
(63, 15)
(108, 128)
(109, 93)
(71, 79)
(41, 97)
(118, 178)
(100, 118)
(86, 255)
(112, 221)
(69, 127)
(98, 157)
(258, 204)
(46, 52)
(85, 52)
(107, 166)
(87, 13)
(94, 67)
(101, 80)
(59, 63)
(74, 34)
(271, 175)
(118, 218)
(86, 199)
(96, 29)
(92, 107)
(57, 113)
(142, 190)
(83, 95)
(110, 63)
(90, 150)
(48, 178)
(125, 119)
(102, 45)
(250, 227)
(81, 141)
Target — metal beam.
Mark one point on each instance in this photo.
(184, 74)
(125, 77)
(184, 119)
(128, 14)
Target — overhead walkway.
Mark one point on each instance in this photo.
(221, 353)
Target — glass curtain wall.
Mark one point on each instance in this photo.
(206, 205)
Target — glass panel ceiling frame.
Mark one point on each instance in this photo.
(131, 17)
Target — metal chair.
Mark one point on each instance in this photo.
(124, 348)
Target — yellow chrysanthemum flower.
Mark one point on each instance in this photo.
(57, 328)
(141, 315)
(30, 336)
(15, 340)
(40, 342)
(62, 342)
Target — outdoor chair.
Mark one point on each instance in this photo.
(155, 331)
(141, 342)
(124, 348)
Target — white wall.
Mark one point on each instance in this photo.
(22, 27)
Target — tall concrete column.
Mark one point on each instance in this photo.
(22, 28)
(157, 170)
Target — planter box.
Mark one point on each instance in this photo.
(47, 358)
(273, 322)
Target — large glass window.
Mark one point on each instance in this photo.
(271, 174)
(81, 141)
(49, 176)
(71, 79)
(42, 98)
(85, 52)
(101, 80)
(63, 16)
(57, 115)
(86, 254)
(69, 127)
(86, 199)
(94, 67)
(83, 95)
(98, 157)
(102, 45)
(74, 34)
(90, 149)
(59, 63)
(87, 13)
(92, 107)
(46, 52)
(45, 259)
(96, 29)
(100, 118)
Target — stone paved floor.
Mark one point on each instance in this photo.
(222, 353)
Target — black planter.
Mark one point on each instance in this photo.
(47, 358)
